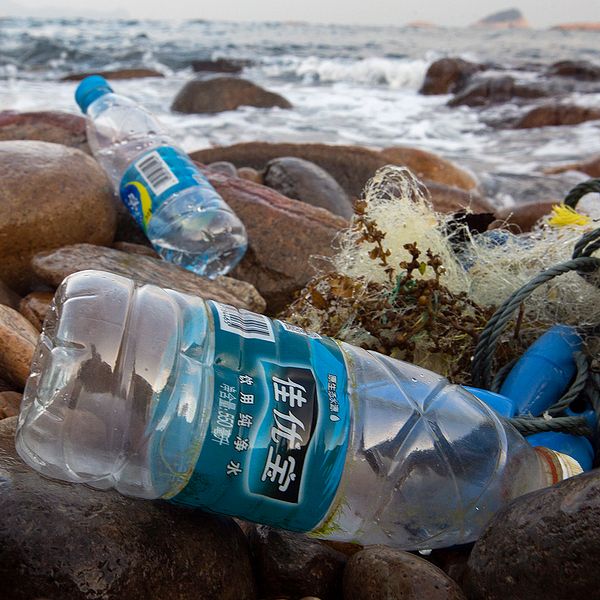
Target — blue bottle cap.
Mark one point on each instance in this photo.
(90, 89)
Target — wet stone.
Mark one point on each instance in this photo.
(448, 75)
(291, 565)
(431, 167)
(18, 338)
(34, 307)
(46, 126)
(282, 236)
(62, 541)
(381, 573)
(543, 545)
(224, 93)
(497, 90)
(522, 218)
(52, 267)
(8, 296)
(303, 180)
(116, 74)
(250, 174)
(223, 167)
(51, 196)
(590, 167)
(220, 65)
(350, 166)
(582, 70)
(555, 115)
(9, 404)
(135, 249)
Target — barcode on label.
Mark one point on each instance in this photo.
(296, 329)
(156, 172)
(244, 323)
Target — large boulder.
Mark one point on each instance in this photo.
(554, 114)
(53, 266)
(448, 75)
(282, 235)
(582, 70)
(224, 93)
(430, 167)
(220, 65)
(303, 180)
(63, 541)
(115, 74)
(496, 90)
(45, 126)
(543, 545)
(350, 166)
(51, 196)
(381, 573)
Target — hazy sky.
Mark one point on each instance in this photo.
(539, 13)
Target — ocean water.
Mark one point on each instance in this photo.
(348, 85)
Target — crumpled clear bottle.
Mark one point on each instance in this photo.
(183, 216)
(163, 395)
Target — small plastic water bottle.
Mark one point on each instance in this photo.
(163, 395)
(183, 216)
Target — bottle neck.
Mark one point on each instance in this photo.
(557, 466)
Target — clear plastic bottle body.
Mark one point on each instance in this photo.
(427, 464)
(121, 394)
(194, 227)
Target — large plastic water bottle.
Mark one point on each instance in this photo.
(186, 220)
(163, 395)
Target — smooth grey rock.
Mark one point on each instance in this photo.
(62, 541)
(304, 180)
(222, 166)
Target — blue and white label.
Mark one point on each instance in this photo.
(276, 445)
(155, 176)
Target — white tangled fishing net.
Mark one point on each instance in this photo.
(398, 203)
(489, 268)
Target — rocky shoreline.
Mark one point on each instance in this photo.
(60, 216)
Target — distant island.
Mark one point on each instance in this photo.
(511, 18)
(578, 26)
